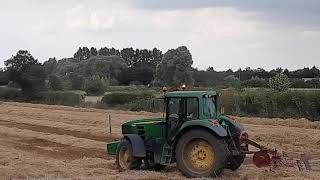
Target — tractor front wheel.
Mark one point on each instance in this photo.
(125, 160)
(200, 154)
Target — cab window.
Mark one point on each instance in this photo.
(192, 108)
(183, 108)
(210, 108)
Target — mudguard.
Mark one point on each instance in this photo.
(216, 129)
(137, 144)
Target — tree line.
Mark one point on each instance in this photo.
(93, 70)
(301, 78)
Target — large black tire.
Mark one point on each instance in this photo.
(124, 158)
(200, 154)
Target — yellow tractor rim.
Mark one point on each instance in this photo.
(200, 155)
(124, 158)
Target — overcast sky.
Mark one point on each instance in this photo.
(219, 33)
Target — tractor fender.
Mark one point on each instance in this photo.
(137, 144)
(216, 129)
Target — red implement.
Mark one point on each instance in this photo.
(261, 159)
(266, 157)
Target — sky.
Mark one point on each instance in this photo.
(219, 33)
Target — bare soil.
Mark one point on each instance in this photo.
(49, 142)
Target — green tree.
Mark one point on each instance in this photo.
(4, 80)
(55, 83)
(108, 52)
(82, 53)
(210, 68)
(280, 82)
(50, 65)
(96, 85)
(108, 67)
(66, 66)
(143, 75)
(175, 68)
(27, 72)
(93, 51)
(232, 81)
(76, 80)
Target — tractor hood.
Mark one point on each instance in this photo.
(144, 121)
(132, 127)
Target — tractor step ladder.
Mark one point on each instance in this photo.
(166, 154)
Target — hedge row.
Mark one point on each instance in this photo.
(61, 97)
(248, 102)
(7, 93)
(120, 98)
(150, 105)
(69, 98)
(267, 103)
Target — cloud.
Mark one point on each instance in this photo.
(219, 33)
(291, 12)
(79, 17)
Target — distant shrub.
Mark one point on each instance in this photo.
(280, 82)
(55, 83)
(126, 88)
(232, 81)
(96, 85)
(267, 103)
(119, 98)
(61, 97)
(9, 93)
(254, 82)
(150, 105)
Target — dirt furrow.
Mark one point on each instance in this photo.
(54, 130)
(53, 149)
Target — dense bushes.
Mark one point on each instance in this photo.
(267, 103)
(8, 93)
(150, 105)
(120, 98)
(96, 85)
(61, 97)
(70, 98)
(132, 88)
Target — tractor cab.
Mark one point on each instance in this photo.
(184, 106)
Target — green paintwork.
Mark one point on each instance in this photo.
(112, 147)
(152, 127)
(207, 124)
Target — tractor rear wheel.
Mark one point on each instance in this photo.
(125, 160)
(199, 154)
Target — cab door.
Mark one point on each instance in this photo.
(180, 110)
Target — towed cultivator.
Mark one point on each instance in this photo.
(266, 157)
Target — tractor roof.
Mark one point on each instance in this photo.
(190, 93)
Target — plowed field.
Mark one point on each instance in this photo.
(48, 142)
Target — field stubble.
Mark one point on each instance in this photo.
(43, 141)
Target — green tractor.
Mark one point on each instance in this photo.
(192, 133)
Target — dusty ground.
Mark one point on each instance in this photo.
(47, 142)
